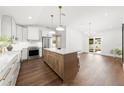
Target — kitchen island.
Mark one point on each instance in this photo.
(63, 62)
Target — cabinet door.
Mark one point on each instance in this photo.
(24, 53)
(6, 26)
(19, 33)
(60, 65)
(45, 56)
(51, 61)
(25, 33)
(13, 29)
(33, 33)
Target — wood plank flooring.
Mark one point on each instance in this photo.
(94, 70)
(36, 72)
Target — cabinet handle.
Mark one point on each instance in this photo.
(6, 74)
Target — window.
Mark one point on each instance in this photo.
(95, 45)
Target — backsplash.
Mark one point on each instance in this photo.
(20, 45)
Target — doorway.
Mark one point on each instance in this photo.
(95, 45)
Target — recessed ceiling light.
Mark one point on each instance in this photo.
(29, 17)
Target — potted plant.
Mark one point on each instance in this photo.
(116, 52)
(5, 42)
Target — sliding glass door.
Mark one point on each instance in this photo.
(95, 45)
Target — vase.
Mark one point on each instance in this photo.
(9, 47)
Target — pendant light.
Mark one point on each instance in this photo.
(52, 32)
(60, 27)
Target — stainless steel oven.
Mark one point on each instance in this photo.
(33, 52)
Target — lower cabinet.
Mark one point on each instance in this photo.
(54, 61)
(9, 76)
(10, 79)
(24, 54)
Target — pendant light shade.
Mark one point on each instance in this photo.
(60, 27)
(52, 32)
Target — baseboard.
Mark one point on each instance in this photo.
(102, 55)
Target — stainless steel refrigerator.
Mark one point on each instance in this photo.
(46, 42)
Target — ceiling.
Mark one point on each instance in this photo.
(79, 16)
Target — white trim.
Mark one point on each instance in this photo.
(102, 54)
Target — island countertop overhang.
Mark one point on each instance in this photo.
(62, 51)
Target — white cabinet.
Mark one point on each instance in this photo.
(13, 29)
(25, 33)
(19, 33)
(33, 33)
(6, 26)
(24, 54)
(9, 72)
(22, 33)
(0, 24)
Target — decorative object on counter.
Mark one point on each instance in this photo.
(2, 50)
(5, 42)
(116, 52)
(16, 38)
(9, 47)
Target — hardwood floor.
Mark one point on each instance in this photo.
(94, 70)
(36, 72)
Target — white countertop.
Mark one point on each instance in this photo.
(62, 51)
(6, 58)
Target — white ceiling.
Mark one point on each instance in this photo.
(79, 16)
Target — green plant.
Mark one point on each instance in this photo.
(4, 41)
(116, 51)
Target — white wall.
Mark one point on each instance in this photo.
(111, 38)
(74, 39)
(85, 43)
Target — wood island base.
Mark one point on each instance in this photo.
(64, 63)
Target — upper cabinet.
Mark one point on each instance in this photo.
(13, 29)
(0, 24)
(19, 33)
(25, 33)
(33, 33)
(6, 26)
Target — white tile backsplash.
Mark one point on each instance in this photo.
(20, 45)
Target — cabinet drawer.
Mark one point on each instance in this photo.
(8, 80)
